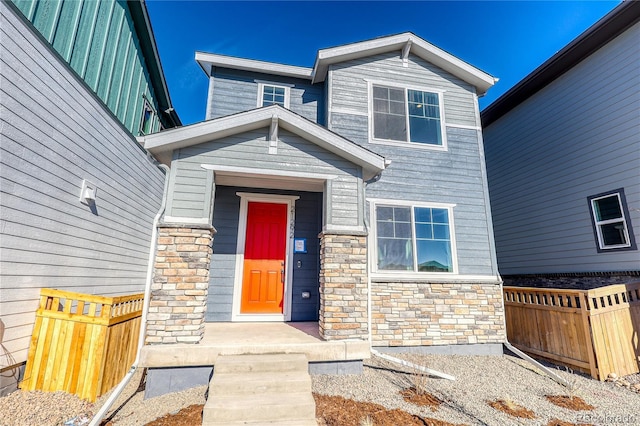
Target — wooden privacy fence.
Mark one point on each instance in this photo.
(595, 331)
(82, 344)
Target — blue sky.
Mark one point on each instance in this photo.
(507, 39)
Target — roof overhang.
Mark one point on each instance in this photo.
(162, 144)
(406, 42)
(208, 61)
(144, 31)
(606, 29)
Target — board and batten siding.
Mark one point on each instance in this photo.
(237, 91)
(454, 176)
(577, 137)
(188, 197)
(308, 218)
(98, 39)
(55, 133)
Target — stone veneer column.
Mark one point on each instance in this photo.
(343, 286)
(180, 284)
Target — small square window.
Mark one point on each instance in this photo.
(273, 95)
(610, 218)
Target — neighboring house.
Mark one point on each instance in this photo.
(80, 79)
(352, 193)
(563, 160)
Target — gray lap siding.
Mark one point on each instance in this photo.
(250, 151)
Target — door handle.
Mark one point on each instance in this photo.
(282, 275)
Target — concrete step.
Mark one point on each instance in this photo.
(260, 407)
(261, 363)
(262, 382)
(260, 390)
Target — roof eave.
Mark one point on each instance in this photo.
(142, 23)
(163, 144)
(466, 72)
(209, 60)
(607, 28)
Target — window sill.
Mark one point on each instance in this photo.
(409, 145)
(426, 278)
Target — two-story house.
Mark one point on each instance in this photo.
(80, 79)
(352, 193)
(563, 161)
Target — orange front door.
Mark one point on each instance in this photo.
(264, 259)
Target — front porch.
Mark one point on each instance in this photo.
(255, 338)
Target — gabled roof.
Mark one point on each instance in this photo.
(162, 144)
(606, 29)
(399, 42)
(404, 44)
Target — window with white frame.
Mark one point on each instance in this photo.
(610, 220)
(407, 115)
(414, 238)
(273, 94)
(147, 119)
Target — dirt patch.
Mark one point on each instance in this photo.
(339, 411)
(571, 402)
(423, 399)
(189, 416)
(512, 409)
(558, 422)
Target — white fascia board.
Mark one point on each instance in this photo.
(208, 60)
(169, 140)
(419, 47)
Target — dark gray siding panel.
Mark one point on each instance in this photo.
(55, 133)
(226, 213)
(223, 261)
(236, 91)
(575, 138)
(306, 277)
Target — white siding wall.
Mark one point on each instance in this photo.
(55, 133)
(577, 137)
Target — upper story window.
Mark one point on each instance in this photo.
(407, 116)
(610, 220)
(414, 238)
(273, 94)
(147, 119)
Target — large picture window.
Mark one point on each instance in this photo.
(610, 220)
(414, 238)
(407, 115)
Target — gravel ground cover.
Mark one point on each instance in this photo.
(479, 380)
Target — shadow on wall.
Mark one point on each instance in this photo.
(9, 372)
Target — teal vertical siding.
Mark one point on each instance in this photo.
(98, 40)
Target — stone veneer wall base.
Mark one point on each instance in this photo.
(180, 284)
(436, 314)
